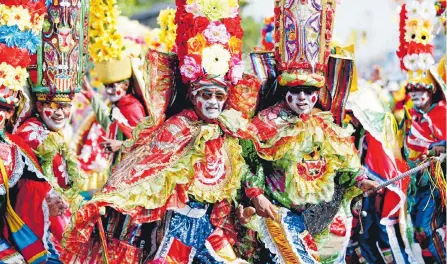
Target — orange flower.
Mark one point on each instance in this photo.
(196, 44)
(235, 45)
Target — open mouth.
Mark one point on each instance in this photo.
(302, 106)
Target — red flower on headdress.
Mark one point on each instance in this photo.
(233, 26)
(14, 56)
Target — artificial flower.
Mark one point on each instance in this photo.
(427, 10)
(216, 33)
(235, 45)
(196, 44)
(425, 61)
(424, 37)
(194, 9)
(215, 9)
(37, 23)
(190, 68)
(3, 73)
(411, 62)
(413, 9)
(215, 60)
(19, 16)
(4, 14)
(30, 41)
(411, 34)
(168, 29)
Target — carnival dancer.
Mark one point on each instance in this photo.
(26, 199)
(308, 163)
(427, 132)
(189, 167)
(380, 232)
(55, 80)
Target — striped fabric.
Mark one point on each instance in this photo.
(26, 242)
(338, 80)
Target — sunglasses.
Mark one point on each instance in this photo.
(206, 95)
(307, 91)
(62, 106)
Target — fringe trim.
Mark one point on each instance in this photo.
(285, 252)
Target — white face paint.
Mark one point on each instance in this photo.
(116, 91)
(301, 101)
(55, 116)
(209, 102)
(420, 98)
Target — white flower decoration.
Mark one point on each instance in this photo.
(215, 60)
(427, 10)
(426, 61)
(413, 9)
(411, 62)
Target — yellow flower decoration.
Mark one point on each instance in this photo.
(412, 34)
(105, 43)
(424, 37)
(216, 9)
(168, 29)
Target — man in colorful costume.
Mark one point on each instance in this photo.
(381, 223)
(188, 167)
(26, 198)
(307, 160)
(427, 132)
(55, 79)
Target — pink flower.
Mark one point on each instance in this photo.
(190, 69)
(216, 33)
(237, 69)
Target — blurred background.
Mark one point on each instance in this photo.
(371, 25)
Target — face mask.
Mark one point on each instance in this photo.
(55, 115)
(420, 98)
(210, 102)
(116, 91)
(301, 101)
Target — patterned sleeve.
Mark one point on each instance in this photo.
(254, 181)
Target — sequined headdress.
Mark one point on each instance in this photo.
(209, 42)
(302, 40)
(60, 61)
(416, 49)
(20, 26)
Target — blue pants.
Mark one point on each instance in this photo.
(427, 216)
(375, 242)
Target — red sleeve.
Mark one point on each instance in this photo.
(133, 111)
(30, 198)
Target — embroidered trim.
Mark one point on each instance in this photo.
(269, 242)
(47, 223)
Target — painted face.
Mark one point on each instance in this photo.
(116, 91)
(5, 114)
(209, 102)
(421, 98)
(301, 100)
(55, 115)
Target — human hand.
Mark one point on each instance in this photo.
(111, 145)
(264, 207)
(436, 151)
(368, 185)
(56, 204)
(244, 214)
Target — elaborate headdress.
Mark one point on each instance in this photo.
(20, 26)
(59, 69)
(209, 42)
(416, 50)
(302, 40)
